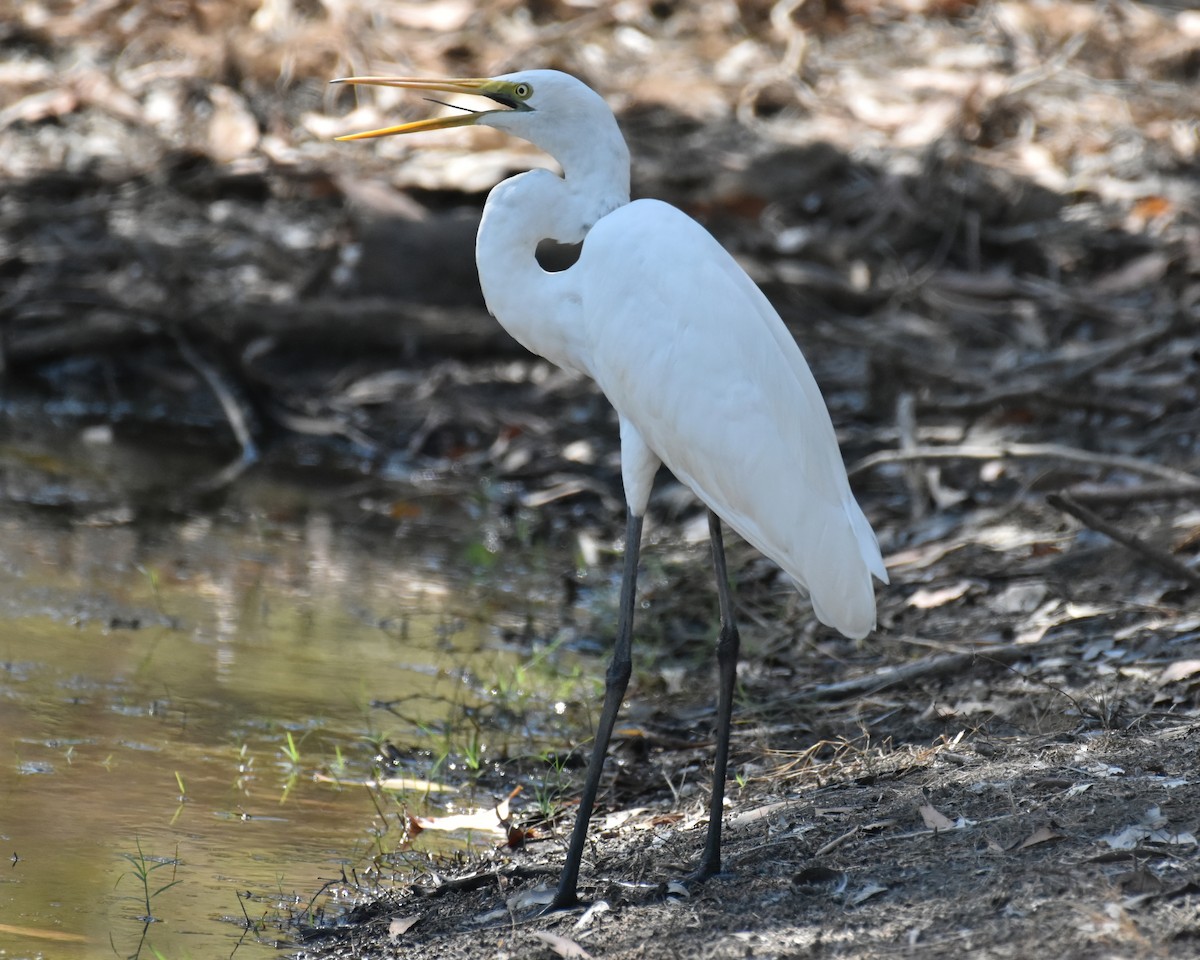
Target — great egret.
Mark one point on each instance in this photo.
(702, 372)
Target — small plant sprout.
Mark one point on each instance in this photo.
(291, 751)
(151, 575)
(473, 751)
(339, 761)
(143, 868)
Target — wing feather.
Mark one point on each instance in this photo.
(690, 351)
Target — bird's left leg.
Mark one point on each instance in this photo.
(615, 684)
(727, 656)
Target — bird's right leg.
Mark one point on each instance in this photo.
(727, 656)
(615, 682)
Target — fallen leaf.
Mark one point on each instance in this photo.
(440, 16)
(872, 889)
(1140, 272)
(1152, 829)
(526, 899)
(758, 813)
(1150, 207)
(1179, 670)
(590, 914)
(519, 836)
(232, 129)
(403, 784)
(1040, 835)
(400, 926)
(40, 106)
(481, 821)
(925, 599)
(934, 819)
(563, 946)
(1019, 598)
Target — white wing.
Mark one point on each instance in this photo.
(690, 351)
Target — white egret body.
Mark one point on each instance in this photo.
(700, 368)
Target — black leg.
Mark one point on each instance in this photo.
(615, 683)
(727, 656)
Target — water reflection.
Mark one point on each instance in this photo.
(167, 695)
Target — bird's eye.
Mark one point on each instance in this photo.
(522, 91)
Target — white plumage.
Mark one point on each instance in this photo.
(705, 371)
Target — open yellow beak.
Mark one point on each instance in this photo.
(497, 90)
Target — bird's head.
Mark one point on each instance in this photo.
(552, 110)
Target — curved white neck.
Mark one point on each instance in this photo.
(538, 308)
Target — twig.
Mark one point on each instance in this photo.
(936, 666)
(1164, 561)
(1040, 395)
(1142, 493)
(1054, 451)
(475, 881)
(233, 413)
(914, 474)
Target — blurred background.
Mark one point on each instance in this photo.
(936, 190)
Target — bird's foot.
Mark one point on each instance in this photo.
(705, 870)
(561, 901)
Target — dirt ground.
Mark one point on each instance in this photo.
(979, 219)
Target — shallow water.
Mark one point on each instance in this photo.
(149, 678)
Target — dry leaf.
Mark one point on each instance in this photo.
(1179, 670)
(563, 946)
(1150, 207)
(527, 899)
(440, 16)
(1040, 835)
(872, 889)
(591, 913)
(40, 106)
(1140, 272)
(758, 813)
(400, 926)
(232, 130)
(1019, 598)
(400, 784)
(934, 819)
(1153, 828)
(480, 821)
(925, 599)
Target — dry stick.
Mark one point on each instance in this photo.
(233, 413)
(1053, 451)
(914, 473)
(1142, 493)
(1164, 561)
(936, 666)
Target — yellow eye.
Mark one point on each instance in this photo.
(522, 91)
